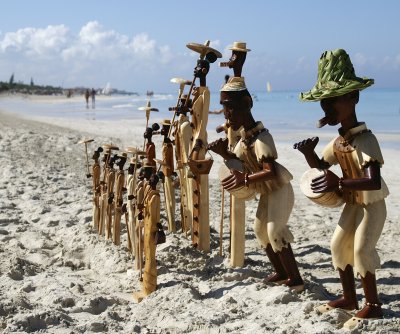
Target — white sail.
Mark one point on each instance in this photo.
(107, 89)
(269, 88)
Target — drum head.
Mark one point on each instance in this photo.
(241, 193)
(330, 199)
(305, 182)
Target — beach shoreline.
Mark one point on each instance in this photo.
(57, 275)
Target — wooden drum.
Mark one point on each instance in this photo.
(244, 193)
(330, 200)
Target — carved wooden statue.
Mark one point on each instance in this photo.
(260, 172)
(357, 152)
(200, 166)
(168, 170)
(237, 204)
(131, 186)
(108, 148)
(150, 147)
(118, 202)
(151, 226)
(96, 173)
(110, 183)
(183, 135)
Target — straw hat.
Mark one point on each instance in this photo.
(239, 46)
(203, 49)
(110, 147)
(85, 141)
(135, 150)
(180, 81)
(336, 77)
(234, 84)
(166, 122)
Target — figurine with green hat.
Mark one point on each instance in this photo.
(357, 151)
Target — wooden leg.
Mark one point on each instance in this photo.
(238, 232)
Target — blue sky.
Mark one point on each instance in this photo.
(140, 45)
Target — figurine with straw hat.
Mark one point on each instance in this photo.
(357, 151)
(197, 158)
(260, 172)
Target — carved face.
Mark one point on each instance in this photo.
(165, 130)
(148, 133)
(237, 59)
(202, 68)
(339, 108)
(234, 109)
(153, 180)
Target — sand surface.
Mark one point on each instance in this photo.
(58, 276)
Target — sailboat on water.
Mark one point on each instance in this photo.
(107, 89)
(269, 88)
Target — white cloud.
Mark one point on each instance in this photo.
(36, 42)
(94, 52)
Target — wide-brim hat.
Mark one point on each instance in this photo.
(203, 49)
(146, 163)
(85, 141)
(110, 147)
(239, 46)
(234, 84)
(166, 122)
(336, 77)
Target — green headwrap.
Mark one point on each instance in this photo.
(335, 77)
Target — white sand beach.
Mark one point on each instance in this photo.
(58, 276)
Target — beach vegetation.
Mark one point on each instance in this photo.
(12, 87)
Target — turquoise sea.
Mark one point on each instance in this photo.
(279, 111)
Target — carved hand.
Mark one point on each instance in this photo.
(325, 183)
(220, 146)
(307, 146)
(233, 181)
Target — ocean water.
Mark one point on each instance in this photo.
(279, 111)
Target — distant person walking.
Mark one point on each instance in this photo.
(87, 94)
(93, 95)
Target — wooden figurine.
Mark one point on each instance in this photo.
(150, 147)
(96, 172)
(118, 201)
(96, 187)
(357, 151)
(259, 171)
(151, 219)
(239, 53)
(108, 148)
(237, 204)
(110, 183)
(148, 109)
(183, 135)
(199, 165)
(144, 175)
(131, 186)
(168, 170)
